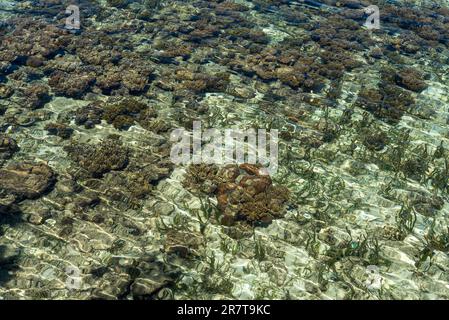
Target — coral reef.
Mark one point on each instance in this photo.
(200, 82)
(363, 160)
(26, 180)
(6, 91)
(123, 114)
(244, 193)
(36, 95)
(388, 102)
(89, 115)
(65, 84)
(411, 79)
(59, 129)
(98, 160)
(8, 146)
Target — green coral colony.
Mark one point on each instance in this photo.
(87, 184)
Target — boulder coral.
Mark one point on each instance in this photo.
(123, 114)
(411, 79)
(26, 180)
(244, 193)
(8, 146)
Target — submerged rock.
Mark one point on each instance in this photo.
(26, 180)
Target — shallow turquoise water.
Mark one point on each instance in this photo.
(91, 205)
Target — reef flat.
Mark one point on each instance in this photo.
(92, 207)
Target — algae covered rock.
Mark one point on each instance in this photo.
(27, 180)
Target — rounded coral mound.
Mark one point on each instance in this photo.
(244, 193)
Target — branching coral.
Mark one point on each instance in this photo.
(98, 160)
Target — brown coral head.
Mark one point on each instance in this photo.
(254, 169)
(254, 185)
